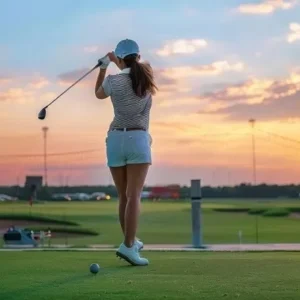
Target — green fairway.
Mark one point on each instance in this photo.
(176, 275)
(169, 223)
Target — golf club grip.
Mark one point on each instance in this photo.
(99, 64)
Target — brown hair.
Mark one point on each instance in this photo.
(141, 75)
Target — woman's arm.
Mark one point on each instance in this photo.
(99, 90)
(99, 81)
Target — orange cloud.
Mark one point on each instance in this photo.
(4, 80)
(181, 46)
(294, 34)
(266, 7)
(255, 90)
(18, 95)
(24, 92)
(213, 69)
(251, 91)
(39, 82)
(262, 99)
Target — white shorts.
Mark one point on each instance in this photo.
(128, 147)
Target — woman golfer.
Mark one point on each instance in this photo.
(128, 143)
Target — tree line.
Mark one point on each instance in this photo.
(238, 191)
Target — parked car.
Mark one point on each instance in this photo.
(4, 197)
(79, 196)
(61, 197)
(99, 196)
(145, 195)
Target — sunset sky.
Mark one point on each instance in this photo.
(217, 64)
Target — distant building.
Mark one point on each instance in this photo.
(32, 185)
(36, 181)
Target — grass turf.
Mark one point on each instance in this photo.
(169, 223)
(176, 275)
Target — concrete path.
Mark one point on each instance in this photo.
(206, 248)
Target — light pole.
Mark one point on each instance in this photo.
(45, 131)
(252, 122)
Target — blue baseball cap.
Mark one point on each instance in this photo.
(127, 47)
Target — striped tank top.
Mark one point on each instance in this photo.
(130, 111)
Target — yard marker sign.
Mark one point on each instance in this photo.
(196, 212)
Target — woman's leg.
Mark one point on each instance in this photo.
(138, 158)
(136, 175)
(119, 176)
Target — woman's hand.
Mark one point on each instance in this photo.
(109, 57)
(104, 62)
(113, 58)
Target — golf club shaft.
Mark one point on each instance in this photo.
(74, 84)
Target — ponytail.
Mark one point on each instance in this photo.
(141, 75)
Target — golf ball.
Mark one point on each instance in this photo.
(94, 268)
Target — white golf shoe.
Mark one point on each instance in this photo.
(131, 255)
(139, 244)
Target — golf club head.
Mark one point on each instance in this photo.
(42, 114)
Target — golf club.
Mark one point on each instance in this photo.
(42, 113)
